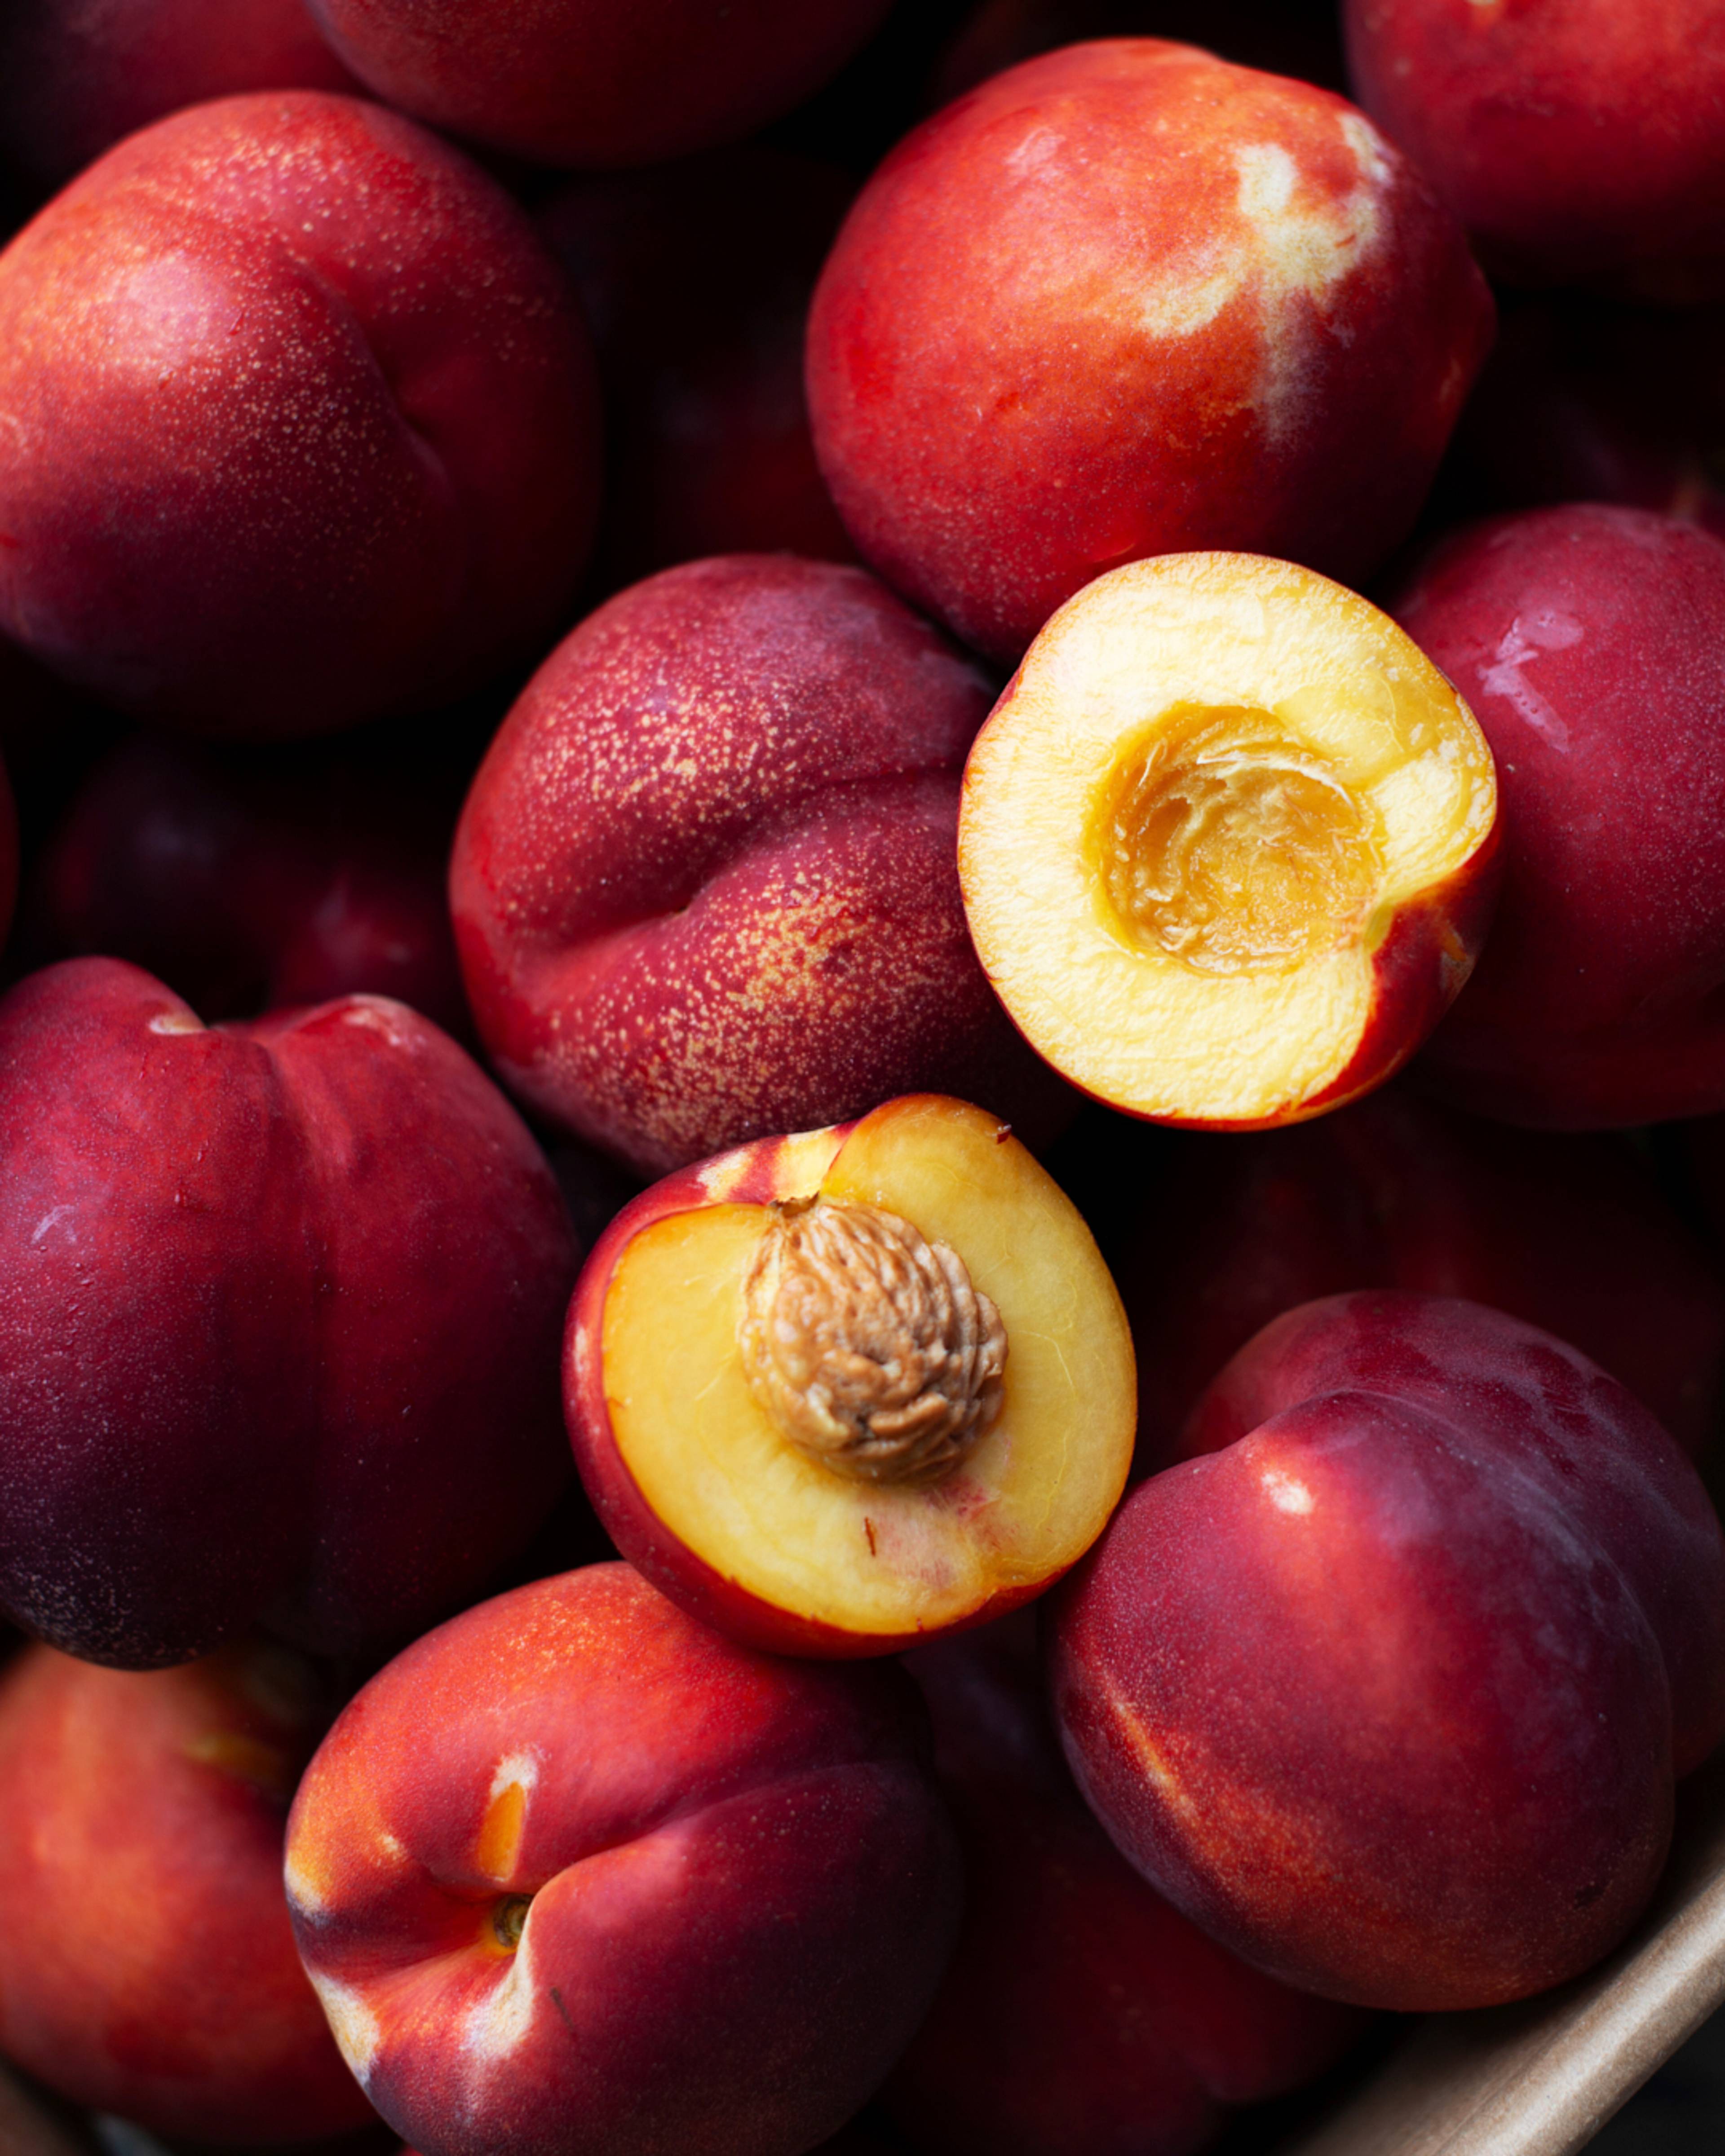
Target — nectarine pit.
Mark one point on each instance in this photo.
(1225, 842)
(870, 1346)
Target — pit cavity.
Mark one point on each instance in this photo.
(1220, 841)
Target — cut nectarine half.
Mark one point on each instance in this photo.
(1227, 842)
(836, 1392)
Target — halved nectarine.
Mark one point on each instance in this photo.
(835, 1392)
(1228, 841)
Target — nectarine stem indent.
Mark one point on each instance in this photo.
(1228, 845)
(508, 1920)
(868, 1346)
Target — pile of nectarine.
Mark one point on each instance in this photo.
(706, 711)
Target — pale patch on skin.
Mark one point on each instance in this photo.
(1287, 1492)
(376, 1014)
(1527, 637)
(352, 2023)
(1301, 251)
(497, 2023)
(176, 1022)
(50, 1221)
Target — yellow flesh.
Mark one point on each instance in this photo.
(1188, 829)
(864, 1558)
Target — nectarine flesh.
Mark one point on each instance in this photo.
(834, 1392)
(1226, 842)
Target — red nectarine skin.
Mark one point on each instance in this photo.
(1081, 2015)
(75, 75)
(1590, 642)
(279, 1313)
(249, 882)
(1577, 140)
(1220, 296)
(265, 336)
(1389, 1689)
(731, 1882)
(584, 82)
(146, 1961)
(1566, 1233)
(705, 885)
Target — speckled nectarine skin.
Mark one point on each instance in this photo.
(279, 1316)
(1577, 140)
(1590, 642)
(1388, 1688)
(146, 1961)
(588, 82)
(742, 1883)
(706, 885)
(1127, 299)
(298, 421)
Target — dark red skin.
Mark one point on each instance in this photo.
(695, 278)
(1082, 2014)
(1590, 642)
(279, 1312)
(1389, 1689)
(250, 884)
(147, 1962)
(744, 1883)
(1585, 402)
(1578, 141)
(706, 885)
(76, 75)
(1564, 1232)
(991, 323)
(586, 83)
(358, 353)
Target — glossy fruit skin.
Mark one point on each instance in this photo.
(705, 887)
(1081, 2015)
(1388, 1688)
(586, 84)
(1015, 299)
(279, 1313)
(764, 1834)
(1588, 642)
(1578, 141)
(264, 335)
(148, 1965)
